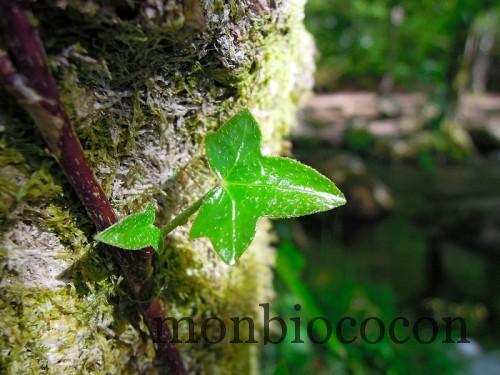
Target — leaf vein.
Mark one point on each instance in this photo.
(238, 152)
(288, 189)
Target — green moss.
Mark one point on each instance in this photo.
(42, 328)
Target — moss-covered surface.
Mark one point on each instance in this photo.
(143, 84)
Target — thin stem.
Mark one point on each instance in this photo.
(25, 74)
(183, 217)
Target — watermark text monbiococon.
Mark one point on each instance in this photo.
(347, 330)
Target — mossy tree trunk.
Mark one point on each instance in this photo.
(143, 82)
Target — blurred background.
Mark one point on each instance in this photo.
(406, 120)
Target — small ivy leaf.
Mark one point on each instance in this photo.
(134, 232)
(252, 186)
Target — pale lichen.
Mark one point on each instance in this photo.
(143, 87)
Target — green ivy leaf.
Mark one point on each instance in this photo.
(133, 232)
(252, 186)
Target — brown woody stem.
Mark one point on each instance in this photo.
(25, 74)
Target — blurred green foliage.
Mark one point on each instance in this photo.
(415, 43)
(349, 266)
(347, 297)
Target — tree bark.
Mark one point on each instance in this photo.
(142, 82)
